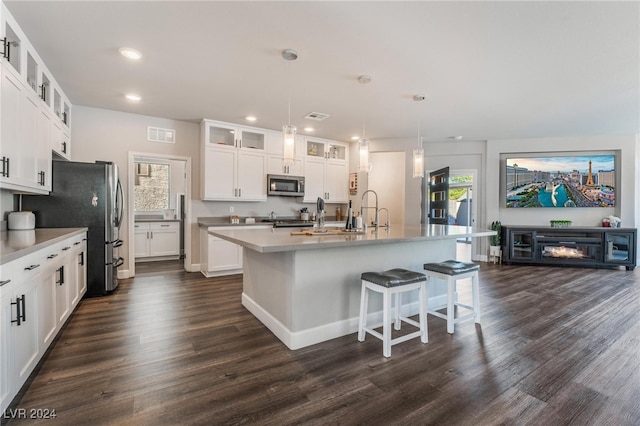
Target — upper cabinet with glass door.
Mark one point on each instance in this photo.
(329, 150)
(228, 135)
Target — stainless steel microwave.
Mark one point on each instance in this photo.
(289, 186)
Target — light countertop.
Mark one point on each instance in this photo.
(15, 244)
(280, 239)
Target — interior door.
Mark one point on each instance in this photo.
(439, 197)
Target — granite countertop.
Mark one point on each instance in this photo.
(16, 244)
(280, 239)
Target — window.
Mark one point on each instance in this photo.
(151, 189)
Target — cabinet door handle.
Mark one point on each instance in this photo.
(32, 267)
(5, 48)
(77, 242)
(64, 147)
(4, 282)
(64, 117)
(5, 166)
(20, 310)
(164, 226)
(51, 256)
(60, 272)
(65, 248)
(81, 262)
(239, 192)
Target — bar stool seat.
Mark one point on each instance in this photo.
(390, 283)
(451, 271)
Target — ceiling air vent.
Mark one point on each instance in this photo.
(317, 116)
(156, 134)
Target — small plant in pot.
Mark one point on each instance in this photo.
(495, 239)
(495, 246)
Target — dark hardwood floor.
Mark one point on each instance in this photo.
(557, 346)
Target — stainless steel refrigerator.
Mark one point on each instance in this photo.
(86, 195)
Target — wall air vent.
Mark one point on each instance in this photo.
(156, 134)
(317, 116)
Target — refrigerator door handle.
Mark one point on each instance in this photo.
(117, 243)
(118, 262)
(119, 204)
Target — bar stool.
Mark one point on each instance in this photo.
(451, 271)
(390, 283)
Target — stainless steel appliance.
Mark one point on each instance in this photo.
(289, 186)
(86, 195)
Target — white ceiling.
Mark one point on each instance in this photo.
(490, 70)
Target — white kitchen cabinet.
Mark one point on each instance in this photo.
(234, 162)
(28, 96)
(234, 175)
(326, 171)
(19, 327)
(7, 280)
(220, 257)
(157, 239)
(33, 309)
(275, 152)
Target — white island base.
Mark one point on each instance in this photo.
(310, 296)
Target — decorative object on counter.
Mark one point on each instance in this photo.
(250, 220)
(359, 223)
(304, 213)
(235, 220)
(338, 214)
(21, 220)
(611, 222)
(169, 213)
(320, 208)
(288, 130)
(349, 223)
(495, 248)
(560, 223)
(353, 183)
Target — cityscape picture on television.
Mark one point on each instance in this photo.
(561, 181)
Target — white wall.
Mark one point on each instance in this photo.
(6, 206)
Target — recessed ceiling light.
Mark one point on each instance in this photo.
(355, 138)
(130, 53)
(133, 97)
(309, 129)
(250, 118)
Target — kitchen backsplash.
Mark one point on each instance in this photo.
(281, 206)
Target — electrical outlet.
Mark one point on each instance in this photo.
(231, 209)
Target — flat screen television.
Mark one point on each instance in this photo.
(561, 181)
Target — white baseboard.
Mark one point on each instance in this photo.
(311, 336)
(123, 274)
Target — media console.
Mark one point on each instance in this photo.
(572, 246)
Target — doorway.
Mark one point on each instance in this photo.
(159, 213)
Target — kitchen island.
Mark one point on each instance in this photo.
(306, 288)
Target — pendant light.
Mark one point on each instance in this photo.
(289, 131)
(418, 154)
(363, 142)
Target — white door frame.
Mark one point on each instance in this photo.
(187, 207)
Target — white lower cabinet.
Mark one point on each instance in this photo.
(157, 239)
(218, 256)
(35, 301)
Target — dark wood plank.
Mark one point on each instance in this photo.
(557, 346)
